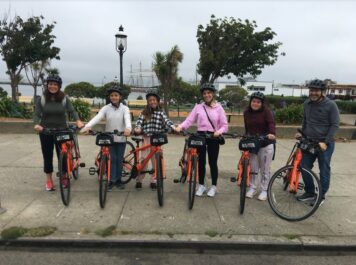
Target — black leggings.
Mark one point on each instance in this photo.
(47, 144)
(213, 147)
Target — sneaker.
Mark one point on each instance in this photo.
(200, 191)
(50, 186)
(153, 186)
(321, 201)
(251, 192)
(212, 191)
(138, 185)
(111, 186)
(263, 196)
(306, 197)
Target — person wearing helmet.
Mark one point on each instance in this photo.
(210, 118)
(50, 112)
(320, 122)
(117, 117)
(258, 120)
(151, 120)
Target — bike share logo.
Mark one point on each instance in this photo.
(104, 141)
(248, 145)
(194, 142)
(63, 137)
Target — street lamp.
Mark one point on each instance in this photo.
(121, 45)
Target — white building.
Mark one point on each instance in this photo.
(250, 86)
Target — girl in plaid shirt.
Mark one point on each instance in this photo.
(151, 120)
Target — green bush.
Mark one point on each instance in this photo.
(82, 108)
(292, 114)
(14, 109)
(275, 100)
(348, 107)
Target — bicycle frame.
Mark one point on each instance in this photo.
(104, 151)
(245, 156)
(65, 148)
(294, 159)
(191, 152)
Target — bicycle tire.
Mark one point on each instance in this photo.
(243, 185)
(128, 164)
(64, 179)
(192, 182)
(75, 156)
(103, 181)
(159, 178)
(284, 203)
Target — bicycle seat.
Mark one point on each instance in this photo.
(137, 138)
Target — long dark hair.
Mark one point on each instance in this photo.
(148, 111)
(57, 97)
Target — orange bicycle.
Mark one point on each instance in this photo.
(103, 161)
(189, 162)
(286, 185)
(132, 166)
(247, 144)
(69, 158)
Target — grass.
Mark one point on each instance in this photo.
(15, 232)
(108, 231)
(211, 233)
(290, 236)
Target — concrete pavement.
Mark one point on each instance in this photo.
(136, 215)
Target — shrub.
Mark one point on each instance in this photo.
(292, 114)
(346, 107)
(12, 109)
(82, 108)
(275, 100)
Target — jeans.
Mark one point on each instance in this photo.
(324, 159)
(117, 151)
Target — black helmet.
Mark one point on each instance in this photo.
(259, 95)
(207, 86)
(153, 93)
(114, 89)
(317, 84)
(54, 78)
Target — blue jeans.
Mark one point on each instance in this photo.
(117, 151)
(324, 159)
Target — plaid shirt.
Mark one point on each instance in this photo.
(159, 121)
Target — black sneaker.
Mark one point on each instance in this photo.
(306, 197)
(138, 185)
(111, 186)
(153, 186)
(321, 202)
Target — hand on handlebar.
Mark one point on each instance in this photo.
(38, 128)
(271, 136)
(85, 130)
(323, 146)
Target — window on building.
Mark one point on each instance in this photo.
(340, 91)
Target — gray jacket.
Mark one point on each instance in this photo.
(321, 119)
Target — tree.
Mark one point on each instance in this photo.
(81, 89)
(229, 46)
(233, 94)
(23, 43)
(186, 93)
(3, 93)
(139, 97)
(166, 68)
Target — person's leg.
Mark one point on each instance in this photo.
(254, 171)
(308, 162)
(120, 155)
(202, 162)
(47, 143)
(324, 159)
(265, 159)
(213, 154)
(114, 160)
(143, 155)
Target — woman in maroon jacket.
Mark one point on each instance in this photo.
(259, 121)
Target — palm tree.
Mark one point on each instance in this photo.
(166, 68)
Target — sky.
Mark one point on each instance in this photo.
(318, 36)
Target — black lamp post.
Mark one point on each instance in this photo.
(121, 45)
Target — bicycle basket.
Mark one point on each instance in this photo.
(196, 141)
(104, 139)
(158, 139)
(251, 145)
(61, 137)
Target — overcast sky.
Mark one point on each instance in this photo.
(318, 37)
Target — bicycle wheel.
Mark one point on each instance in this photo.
(75, 157)
(159, 178)
(193, 182)
(284, 203)
(103, 180)
(183, 163)
(243, 185)
(129, 163)
(64, 179)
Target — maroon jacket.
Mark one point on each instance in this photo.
(259, 122)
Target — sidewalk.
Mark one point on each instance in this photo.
(137, 216)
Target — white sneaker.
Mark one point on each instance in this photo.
(251, 192)
(212, 191)
(263, 196)
(200, 191)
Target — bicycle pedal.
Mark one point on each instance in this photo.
(82, 164)
(176, 180)
(233, 179)
(150, 171)
(92, 171)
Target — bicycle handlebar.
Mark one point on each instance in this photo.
(115, 132)
(70, 128)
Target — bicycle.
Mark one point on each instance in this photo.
(247, 144)
(286, 185)
(132, 166)
(189, 162)
(69, 158)
(103, 161)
